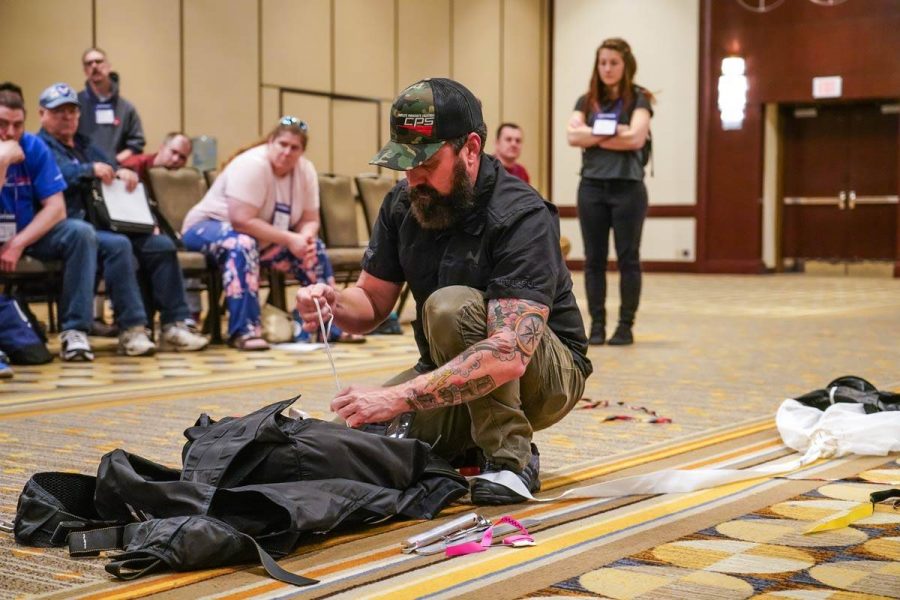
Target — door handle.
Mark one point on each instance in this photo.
(842, 200)
(852, 199)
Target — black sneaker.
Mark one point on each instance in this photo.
(622, 336)
(487, 492)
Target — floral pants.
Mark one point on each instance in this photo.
(237, 255)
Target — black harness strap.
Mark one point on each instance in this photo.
(95, 541)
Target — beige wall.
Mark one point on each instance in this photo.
(41, 43)
(229, 68)
(665, 42)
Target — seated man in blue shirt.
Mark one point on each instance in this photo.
(83, 166)
(33, 221)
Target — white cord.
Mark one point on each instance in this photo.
(325, 332)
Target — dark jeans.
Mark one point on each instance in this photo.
(75, 243)
(620, 205)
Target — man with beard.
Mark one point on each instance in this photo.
(501, 340)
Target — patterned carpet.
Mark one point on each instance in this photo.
(715, 354)
(764, 554)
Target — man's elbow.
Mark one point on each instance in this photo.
(59, 214)
(517, 369)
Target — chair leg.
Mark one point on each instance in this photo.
(52, 326)
(213, 322)
(277, 290)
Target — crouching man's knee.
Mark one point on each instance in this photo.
(453, 319)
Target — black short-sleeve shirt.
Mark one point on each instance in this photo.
(508, 247)
(600, 163)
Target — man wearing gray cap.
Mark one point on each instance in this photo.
(83, 166)
(501, 341)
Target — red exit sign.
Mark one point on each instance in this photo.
(827, 87)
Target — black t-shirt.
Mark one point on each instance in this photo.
(600, 163)
(508, 247)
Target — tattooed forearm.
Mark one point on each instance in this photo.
(514, 329)
(452, 394)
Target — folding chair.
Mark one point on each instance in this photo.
(339, 226)
(175, 192)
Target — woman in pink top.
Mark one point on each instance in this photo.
(263, 208)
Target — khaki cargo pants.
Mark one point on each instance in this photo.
(501, 423)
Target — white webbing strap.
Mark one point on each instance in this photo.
(325, 332)
(668, 481)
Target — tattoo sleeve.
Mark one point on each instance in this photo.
(514, 328)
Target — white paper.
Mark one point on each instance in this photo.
(127, 207)
(7, 227)
(298, 346)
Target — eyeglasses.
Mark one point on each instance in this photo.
(294, 122)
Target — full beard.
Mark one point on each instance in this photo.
(433, 210)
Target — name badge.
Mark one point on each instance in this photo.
(605, 124)
(7, 227)
(104, 115)
(281, 219)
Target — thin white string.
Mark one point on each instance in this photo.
(325, 332)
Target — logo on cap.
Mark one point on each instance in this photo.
(421, 124)
(58, 94)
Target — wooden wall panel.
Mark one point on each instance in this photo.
(221, 71)
(522, 69)
(316, 111)
(364, 48)
(355, 134)
(783, 49)
(143, 44)
(476, 55)
(41, 44)
(296, 44)
(269, 109)
(423, 40)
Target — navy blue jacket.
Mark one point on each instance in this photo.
(77, 166)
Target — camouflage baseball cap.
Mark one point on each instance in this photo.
(423, 117)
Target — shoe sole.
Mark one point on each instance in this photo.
(123, 352)
(494, 499)
(78, 357)
(164, 347)
(6, 374)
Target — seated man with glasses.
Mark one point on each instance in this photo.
(84, 166)
(262, 208)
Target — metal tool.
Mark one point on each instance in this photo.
(451, 530)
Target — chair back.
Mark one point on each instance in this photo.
(372, 190)
(210, 176)
(338, 211)
(176, 191)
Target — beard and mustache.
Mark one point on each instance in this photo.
(433, 210)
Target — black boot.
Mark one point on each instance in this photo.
(622, 336)
(598, 335)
